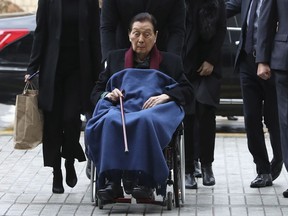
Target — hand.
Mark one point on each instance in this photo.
(26, 77)
(264, 71)
(114, 95)
(155, 100)
(205, 69)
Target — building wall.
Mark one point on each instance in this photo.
(26, 5)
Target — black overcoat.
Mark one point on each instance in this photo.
(198, 49)
(117, 14)
(46, 46)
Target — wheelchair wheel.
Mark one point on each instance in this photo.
(182, 170)
(93, 187)
(169, 200)
(96, 200)
(93, 184)
(179, 171)
(99, 204)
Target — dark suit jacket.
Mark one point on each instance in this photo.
(273, 43)
(46, 45)
(196, 50)
(117, 14)
(234, 7)
(171, 65)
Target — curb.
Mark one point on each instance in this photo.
(6, 131)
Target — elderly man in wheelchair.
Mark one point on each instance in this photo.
(155, 94)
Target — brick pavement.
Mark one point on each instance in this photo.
(25, 187)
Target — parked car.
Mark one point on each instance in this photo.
(16, 35)
(231, 103)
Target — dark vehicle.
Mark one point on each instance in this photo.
(230, 98)
(16, 36)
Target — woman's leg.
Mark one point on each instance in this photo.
(57, 176)
(207, 128)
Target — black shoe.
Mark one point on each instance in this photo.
(197, 170)
(128, 185)
(57, 186)
(110, 192)
(88, 169)
(71, 177)
(207, 175)
(285, 193)
(276, 167)
(190, 182)
(262, 180)
(142, 192)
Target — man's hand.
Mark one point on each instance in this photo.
(205, 69)
(26, 77)
(264, 71)
(114, 95)
(155, 100)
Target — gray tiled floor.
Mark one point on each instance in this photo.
(25, 187)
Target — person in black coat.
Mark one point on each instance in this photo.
(66, 51)
(117, 14)
(141, 103)
(205, 34)
(259, 95)
(270, 56)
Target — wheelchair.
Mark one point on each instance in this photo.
(175, 158)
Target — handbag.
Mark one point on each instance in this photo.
(28, 122)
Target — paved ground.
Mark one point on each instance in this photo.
(25, 187)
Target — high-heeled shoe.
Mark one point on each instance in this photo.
(57, 186)
(190, 181)
(207, 175)
(71, 177)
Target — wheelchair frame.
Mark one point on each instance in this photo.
(175, 159)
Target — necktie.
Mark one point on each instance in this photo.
(250, 30)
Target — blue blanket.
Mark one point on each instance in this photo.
(148, 131)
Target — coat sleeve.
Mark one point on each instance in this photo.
(217, 41)
(40, 36)
(183, 94)
(267, 25)
(176, 28)
(100, 86)
(95, 39)
(109, 23)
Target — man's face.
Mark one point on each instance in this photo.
(142, 38)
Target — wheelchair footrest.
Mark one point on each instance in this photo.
(123, 200)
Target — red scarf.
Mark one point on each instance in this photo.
(155, 59)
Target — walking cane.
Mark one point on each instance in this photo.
(123, 123)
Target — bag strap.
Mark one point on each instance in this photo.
(29, 85)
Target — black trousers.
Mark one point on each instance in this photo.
(62, 125)
(259, 100)
(281, 79)
(199, 136)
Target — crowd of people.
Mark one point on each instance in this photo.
(163, 58)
